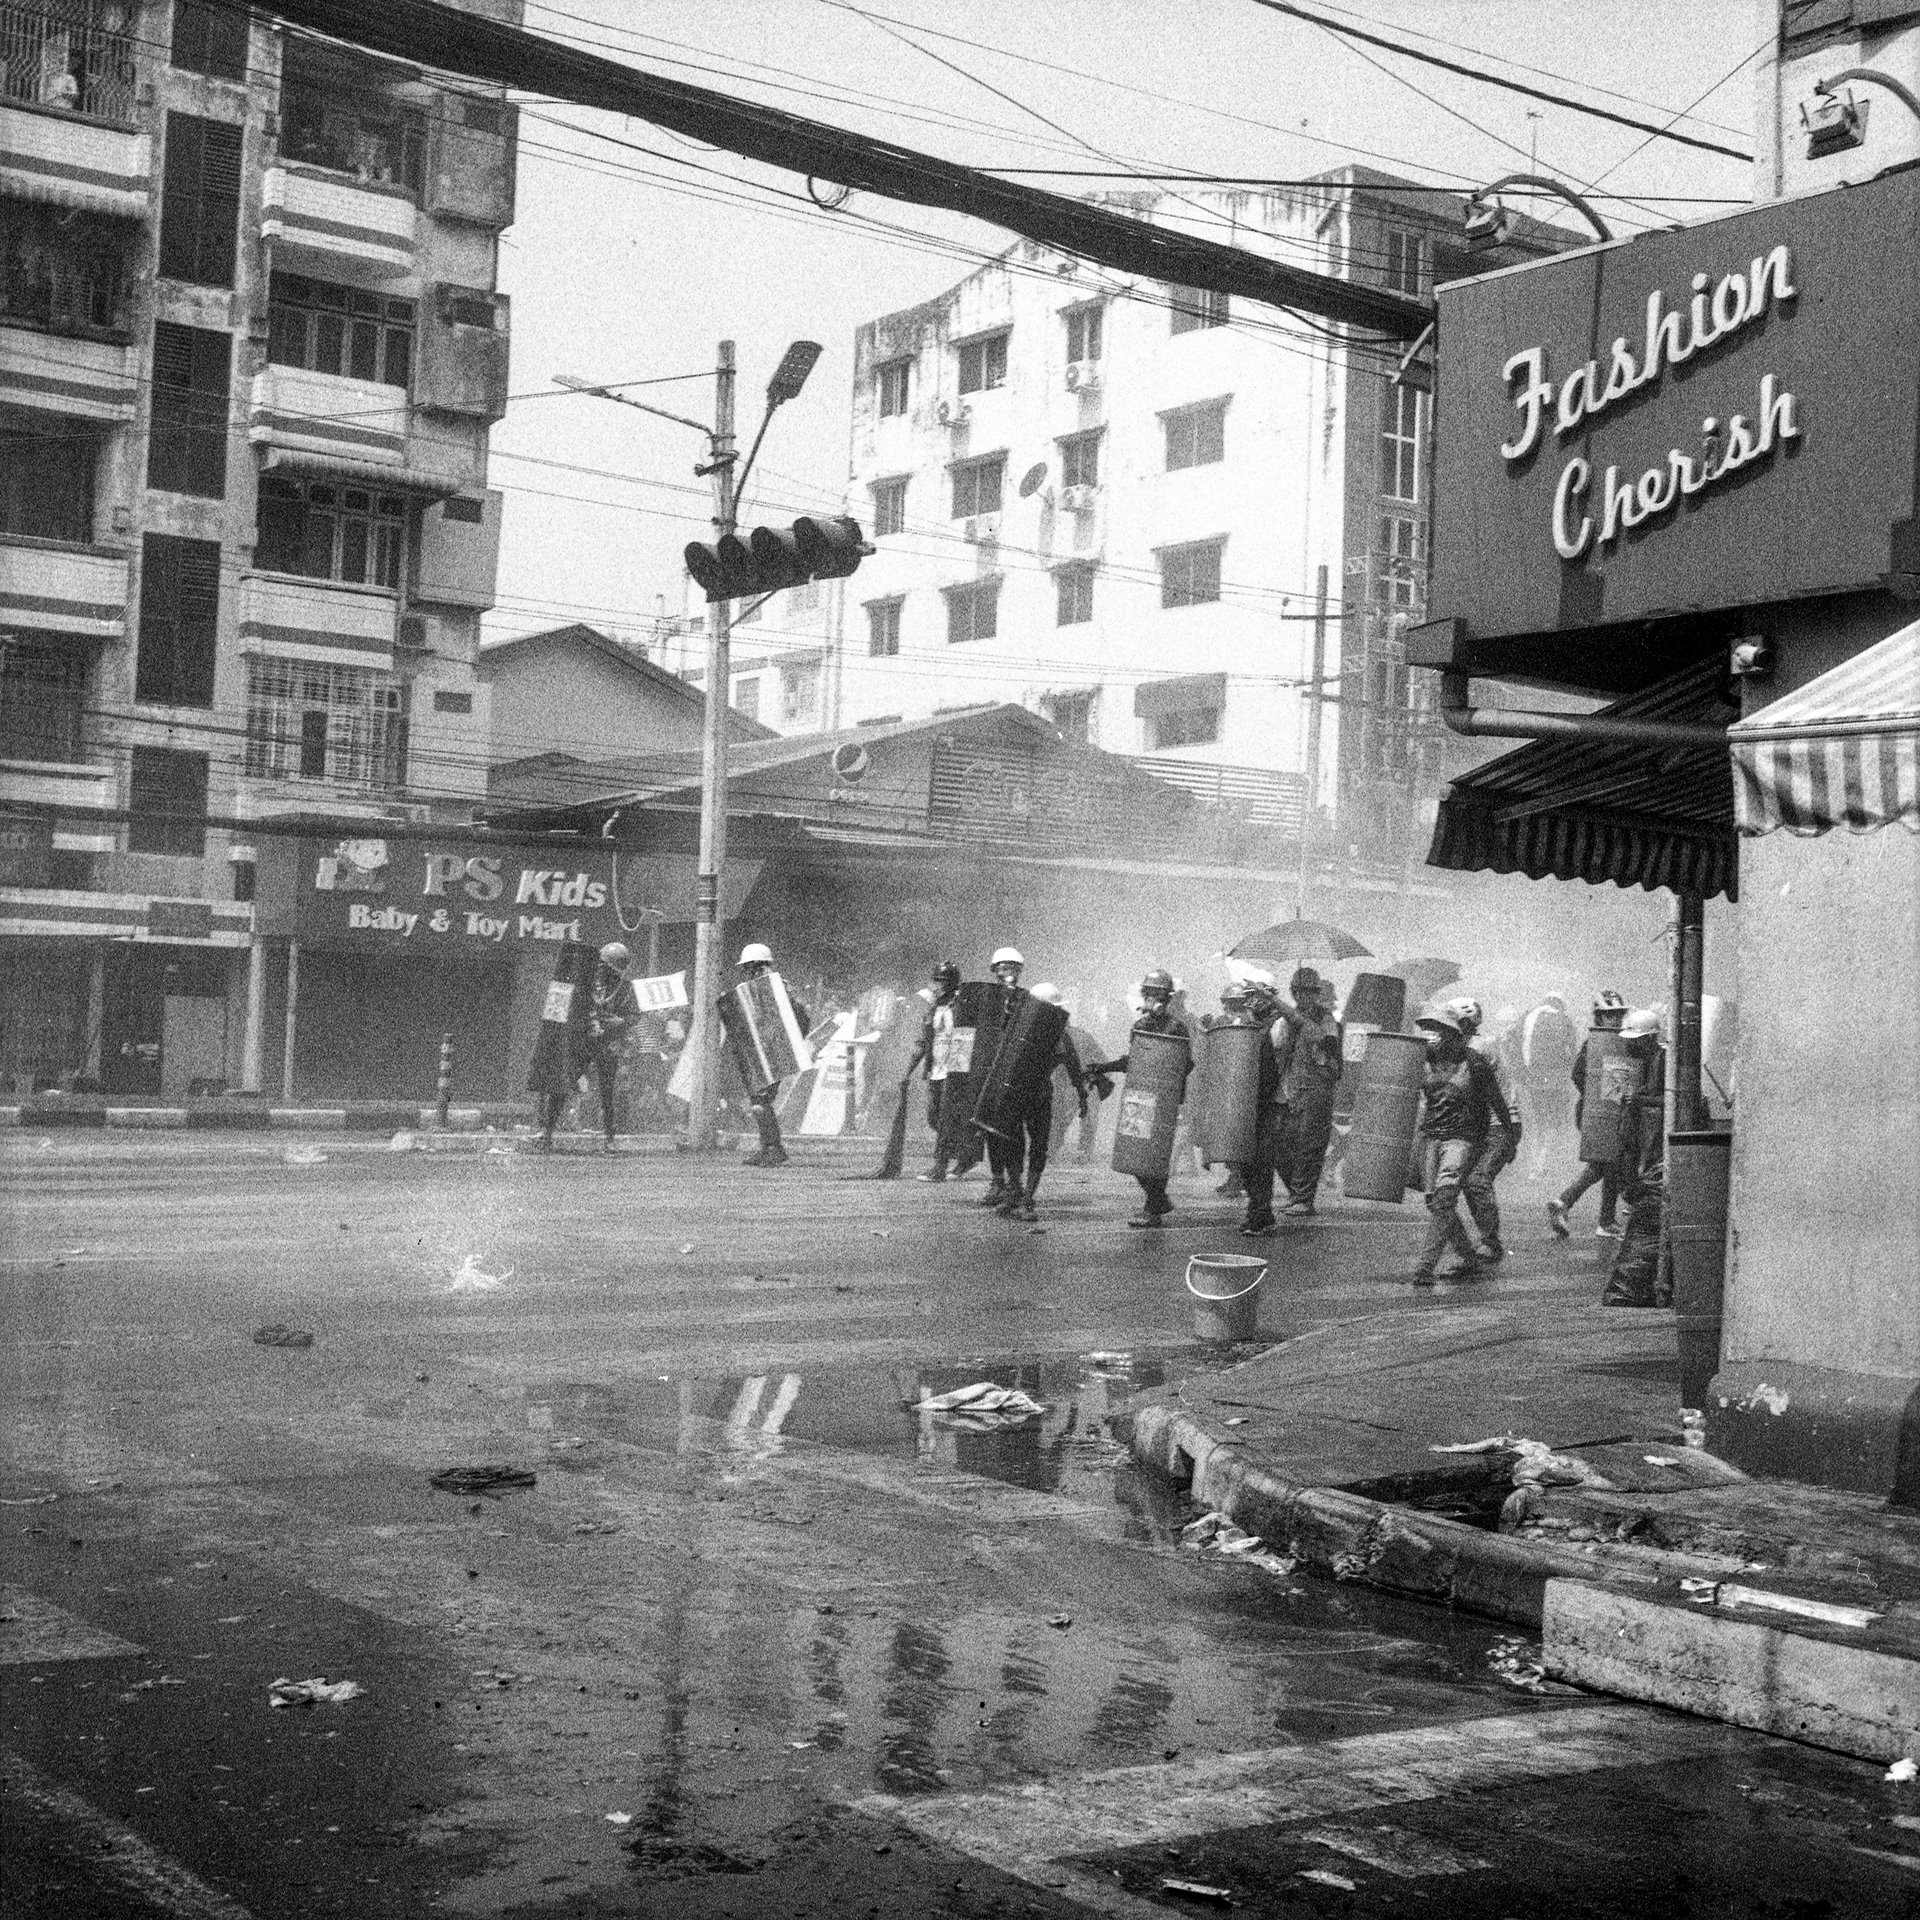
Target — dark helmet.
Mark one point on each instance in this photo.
(1157, 980)
(947, 973)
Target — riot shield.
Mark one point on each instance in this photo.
(763, 1036)
(979, 1008)
(1156, 1083)
(560, 1045)
(1227, 1101)
(1005, 1090)
(1613, 1078)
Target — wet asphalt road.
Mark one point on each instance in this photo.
(761, 1639)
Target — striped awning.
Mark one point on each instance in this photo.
(1606, 811)
(1842, 751)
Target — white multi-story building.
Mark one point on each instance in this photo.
(1178, 529)
(250, 350)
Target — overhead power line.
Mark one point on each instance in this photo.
(1480, 74)
(463, 43)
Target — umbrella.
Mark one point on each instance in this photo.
(1424, 977)
(1298, 943)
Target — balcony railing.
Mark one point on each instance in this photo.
(51, 588)
(322, 219)
(324, 621)
(74, 55)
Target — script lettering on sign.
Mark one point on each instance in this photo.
(1585, 515)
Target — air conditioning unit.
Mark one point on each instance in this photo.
(414, 634)
(983, 529)
(1083, 376)
(1079, 499)
(953, 413)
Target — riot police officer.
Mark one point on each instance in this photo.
(1033, 1130)
(1003, 1163)
(932, 1052)
(1156, 1016)
(756, 958)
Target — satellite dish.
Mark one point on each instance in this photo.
(1032, 480)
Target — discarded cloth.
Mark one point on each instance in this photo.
(982, 1397)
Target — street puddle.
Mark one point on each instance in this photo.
(1047, 1423)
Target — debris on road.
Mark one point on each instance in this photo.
(310, 1693)
(1903, 1770)
(1215, 1532)
(619, 1819)
(303, 1156)
(277, 1335)
(403, 1143)
(1327, 1879)
(596, 1526)
(982, 1397)
(489, 1480)
(470, 1277)
(687, 1246)
(1519, 1665)
(1198, 1890)
(1060, 1620)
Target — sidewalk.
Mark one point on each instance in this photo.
(1649, 1568)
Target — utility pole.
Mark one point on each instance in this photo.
(705, 1038)
(1316, 695)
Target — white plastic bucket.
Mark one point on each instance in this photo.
(1226, 1295)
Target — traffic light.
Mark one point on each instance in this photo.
(769, 559)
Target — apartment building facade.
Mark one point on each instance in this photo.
(250, 352)
(1180, 529)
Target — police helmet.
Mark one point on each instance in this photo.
(1048, 992)
(756, 953)
(1466, 1014)
(947, 973)
(1007, 957)
(1441, 1020)
(615, 955)
(1641, 1023)
(1157, 980)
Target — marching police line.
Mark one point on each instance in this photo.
(1258, 1085)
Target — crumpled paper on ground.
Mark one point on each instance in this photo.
(310, 1693)
(1537, 1465)
(470, 1278)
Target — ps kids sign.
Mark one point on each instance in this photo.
(1715, 416)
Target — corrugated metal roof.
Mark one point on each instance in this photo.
(1600, 811)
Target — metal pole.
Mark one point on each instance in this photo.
(713, 788)
(1316, 690)
(293, 1002)
(443, 1092)
(1689, 1106)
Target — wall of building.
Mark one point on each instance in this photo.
(571, 699)
(1820, 42)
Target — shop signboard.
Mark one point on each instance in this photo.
(1716, 416)
(473, 895)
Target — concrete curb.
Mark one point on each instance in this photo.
(1617, 1628)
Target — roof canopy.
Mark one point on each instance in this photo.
(1600, 811)
(1842, 751)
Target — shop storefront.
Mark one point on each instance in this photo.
(1684, 471)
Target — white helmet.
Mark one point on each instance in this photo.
(1048, 992)
(615, 955)
(756, 953)
(1466, 1012)
(1641, 1023)
(1008, 957)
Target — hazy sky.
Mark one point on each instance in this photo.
(635, 251)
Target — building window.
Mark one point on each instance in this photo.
(78, 55)
(43, 691)
(1085, 326)
(200, 201)
(62, 270)
(209, 38)
(973, 611)
(452, 702)
(179, 620)
(1072, 714)
(1183, 727)
(333, 114)
(344, 725)
(894, 382)
(1073, 596)
(167, 799)
(883, 628)
(1401, 439)
(1194, 308)
(889, 507)
(1401, 553)
(1190, 575)
(746, 696)
(1196, 436)
(331, 329)
(799, 693)
(329, 532)
(1080, 461)
(46, 479)
(983, 363)
(978, 485)
(1406, 261)
(187, 444)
